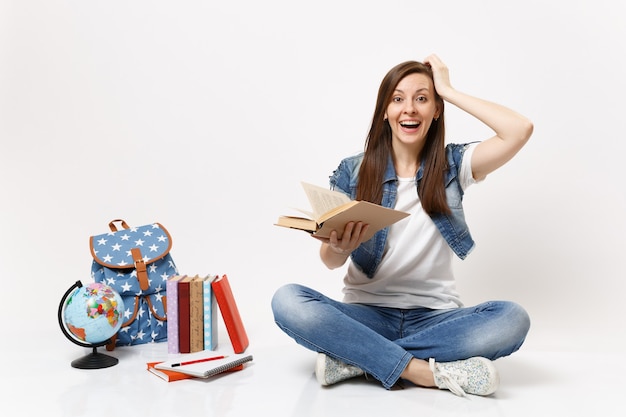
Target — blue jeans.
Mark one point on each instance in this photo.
(381, 340)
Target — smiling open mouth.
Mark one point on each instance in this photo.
(410, 125)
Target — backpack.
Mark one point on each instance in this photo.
(135, 262)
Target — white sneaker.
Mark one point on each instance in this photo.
(476, 376)
(330, 371)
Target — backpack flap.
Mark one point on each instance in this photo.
(131, 250)
(113, 249)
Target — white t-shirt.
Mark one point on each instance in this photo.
(416, 269)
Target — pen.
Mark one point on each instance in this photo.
(198, 361)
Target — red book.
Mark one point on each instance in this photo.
(184, 332)
(230, 313)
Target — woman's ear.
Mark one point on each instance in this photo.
(437, 112)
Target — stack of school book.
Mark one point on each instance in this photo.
(192, 303)
(191, 314)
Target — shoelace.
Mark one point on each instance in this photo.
(448, 379)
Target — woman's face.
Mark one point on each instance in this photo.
(412, 109)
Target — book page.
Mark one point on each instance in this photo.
(322, 199)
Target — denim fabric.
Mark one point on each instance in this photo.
(381, 341)
(453, 227)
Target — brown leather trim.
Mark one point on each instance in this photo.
(154, 313)
(130, 266)
(134, 315)
(114, 228)
(111, 345)
(140, 267)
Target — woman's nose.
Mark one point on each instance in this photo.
(410, 107)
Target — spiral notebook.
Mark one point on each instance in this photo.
(204, 364)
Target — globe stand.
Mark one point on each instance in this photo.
(94, 360)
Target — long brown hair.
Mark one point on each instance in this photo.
(378, 147)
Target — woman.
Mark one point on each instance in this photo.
(401, 317)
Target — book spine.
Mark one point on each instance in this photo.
(196, 325)
(171, 288)
(230, 314)
(210, 315)
(183, 317)
(167, 375)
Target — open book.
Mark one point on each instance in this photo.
(332, 210)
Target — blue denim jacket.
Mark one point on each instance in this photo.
(453, 227)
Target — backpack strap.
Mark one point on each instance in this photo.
(113, 227)
(140, 267)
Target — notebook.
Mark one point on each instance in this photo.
(204, 364)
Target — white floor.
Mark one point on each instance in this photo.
(280, 382)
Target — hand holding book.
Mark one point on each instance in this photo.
(353, 235)
(332, 210)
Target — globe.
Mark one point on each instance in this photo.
(89, 315)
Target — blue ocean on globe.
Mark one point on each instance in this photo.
(93, 313)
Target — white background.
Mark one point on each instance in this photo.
(205, 116)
